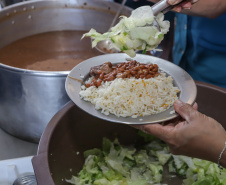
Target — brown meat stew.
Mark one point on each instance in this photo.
(108, 72)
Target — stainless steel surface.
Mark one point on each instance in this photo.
(29, 99)
(2, 4)
(104, 45)
(163, 6)
(118, 13)
(26, 180)
(13, 147)
(181, 79)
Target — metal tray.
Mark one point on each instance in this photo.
(182, 80)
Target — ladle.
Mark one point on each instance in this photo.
(162, 6)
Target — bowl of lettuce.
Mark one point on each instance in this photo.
(143, 163)
(77, 148)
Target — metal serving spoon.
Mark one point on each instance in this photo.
(161, 6)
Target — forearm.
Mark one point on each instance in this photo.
(212, 147)
(223, 160)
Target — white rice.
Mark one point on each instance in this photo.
(132, 97)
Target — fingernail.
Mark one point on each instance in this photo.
(195, 1)
(173, 2)
(187, 6)
(177, 9)
(179, 102)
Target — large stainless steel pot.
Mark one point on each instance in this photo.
(28, 99)
(72, 131)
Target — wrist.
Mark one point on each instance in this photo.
(222, 157)
(216, 147)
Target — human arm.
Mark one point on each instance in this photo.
(205, 8)
(196, 136)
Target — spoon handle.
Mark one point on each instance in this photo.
(117, 13)
(163, 6)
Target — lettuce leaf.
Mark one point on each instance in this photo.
(117, 164)
(137, 32)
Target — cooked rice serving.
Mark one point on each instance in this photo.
(132, 97)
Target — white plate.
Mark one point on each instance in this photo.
(182, 80)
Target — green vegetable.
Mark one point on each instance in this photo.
(144, 51)
(124, 48)
(146, 137)
(197, 171)
(136, 32)
(116, 164)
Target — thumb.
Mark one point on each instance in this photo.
(156, 129)
(185, 110)
(173, 2)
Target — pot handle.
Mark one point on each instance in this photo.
(41, 169)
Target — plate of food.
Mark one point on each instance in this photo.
(119, 89)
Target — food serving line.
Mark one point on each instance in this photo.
(67, 126)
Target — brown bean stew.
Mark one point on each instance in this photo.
(108, 72)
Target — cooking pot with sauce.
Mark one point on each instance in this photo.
(38, 48)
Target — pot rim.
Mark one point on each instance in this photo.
(33, 72)
(211, 86)
(28, 71)
(42, 172)
(23, 71)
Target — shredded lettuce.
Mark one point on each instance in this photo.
(116, 164)
(197, 171)
(136, 32)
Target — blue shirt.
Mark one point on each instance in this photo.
(200, 48)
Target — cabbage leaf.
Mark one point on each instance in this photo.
(117, 164)
(137, 32)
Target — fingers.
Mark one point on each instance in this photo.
(185, 110)
(174, 2)
(195, 106)
(173, 121)
(177, 9)
(164, 132)
(154, 129)
(184, 5)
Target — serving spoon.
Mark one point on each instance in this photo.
(162, 6)
(105, 45)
